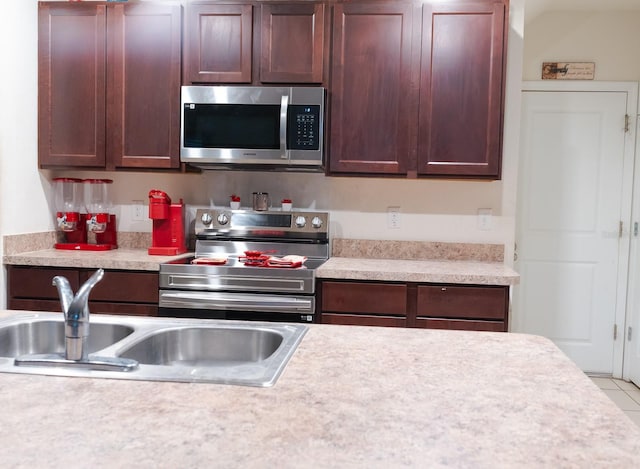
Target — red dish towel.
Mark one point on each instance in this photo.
(286, 261)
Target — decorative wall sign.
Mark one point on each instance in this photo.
(568, 70)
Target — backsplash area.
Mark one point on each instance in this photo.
(429, 210)
(340, 247)
(415, 250)
(16, 244)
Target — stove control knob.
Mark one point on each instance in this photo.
(301, 221)
(223, 219)
(206, 218)
(316, 222)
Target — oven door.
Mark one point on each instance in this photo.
(237, 306)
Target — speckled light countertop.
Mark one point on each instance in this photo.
(351, 397)
(418, 261)
(351, 260)
(121, 258)
(432, 271)
(36, 249)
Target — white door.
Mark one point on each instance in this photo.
(576, 163)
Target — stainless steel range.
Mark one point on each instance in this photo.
(248, 265)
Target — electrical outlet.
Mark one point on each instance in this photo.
(485, 219)
(393, 217)
(138, 211)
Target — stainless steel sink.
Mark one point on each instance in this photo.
(205, 346)
(167, 349)
(37, 336)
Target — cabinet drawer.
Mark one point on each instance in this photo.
(462, 302)
(364, 298)
(35, 305)
(36, 282)
(123, 308)
(129, 287)
(362, 320)
(461, 324)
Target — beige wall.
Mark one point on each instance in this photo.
(611, 40)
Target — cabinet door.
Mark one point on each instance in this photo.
(363, 304)
(218, 43)
(372, 97)
(292, 43)
(461, 88)
(143, 62)
(71, 84)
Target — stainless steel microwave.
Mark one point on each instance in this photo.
(252, 127)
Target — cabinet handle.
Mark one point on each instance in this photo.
(443, 289)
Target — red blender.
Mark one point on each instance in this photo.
(168, 225)
(101, 221)
(70, 221)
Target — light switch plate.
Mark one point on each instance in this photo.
(393, 218)
(485, 219)
(138, 210)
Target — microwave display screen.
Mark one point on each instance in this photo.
(252, 126)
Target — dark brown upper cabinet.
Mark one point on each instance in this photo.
(417, 88)
(226, 43)
(109, 85)
(292, 43)
(461, 89)
(218, 43)
(373, 100)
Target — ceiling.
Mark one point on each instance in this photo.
(534, 8)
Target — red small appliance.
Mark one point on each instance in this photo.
(168, 225)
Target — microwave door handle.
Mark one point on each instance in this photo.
(284, 107)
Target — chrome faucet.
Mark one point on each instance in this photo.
(76, 334)
(76, 315)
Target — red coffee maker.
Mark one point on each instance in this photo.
(168, 225)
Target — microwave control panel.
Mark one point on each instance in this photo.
(303, 127)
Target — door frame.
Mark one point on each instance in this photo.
(633, 296)
(623, 313)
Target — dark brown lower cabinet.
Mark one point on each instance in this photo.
(434, 306)
(119, 292)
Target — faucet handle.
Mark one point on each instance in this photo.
(64, 292)
(79, 304)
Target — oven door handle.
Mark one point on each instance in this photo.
(225, 302)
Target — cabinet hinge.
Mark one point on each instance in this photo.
(615, 332)
(629, 333)
(627, 123)
(620, 230)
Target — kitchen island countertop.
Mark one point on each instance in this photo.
(350, 397)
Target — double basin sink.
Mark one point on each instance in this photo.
(166, 349)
